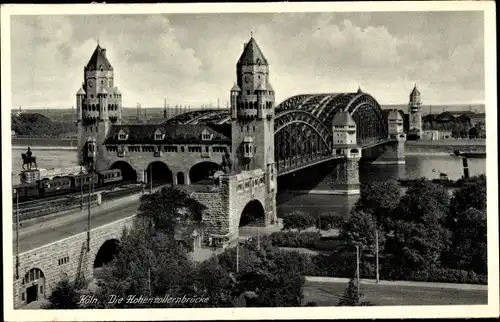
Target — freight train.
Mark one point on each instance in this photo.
(66, 184)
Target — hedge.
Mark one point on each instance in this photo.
(295, 239)
(344, 265)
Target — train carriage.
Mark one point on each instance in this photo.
(83, 179)
(54, 185)
(110, 176)
(25, 190)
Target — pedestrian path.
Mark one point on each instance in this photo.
(323, 279)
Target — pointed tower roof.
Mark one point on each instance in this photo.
(236, 88)
(81, 91)
(359, 90)
(117, 91)
(252, 54)
(343, 119)
(260, 87)
(99, 59)
(103, 91)
(415, 91)
(270, 87)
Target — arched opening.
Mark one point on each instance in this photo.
(106, 252)
(158, 172)
(253, 215)
(202, 173)
(180, 178)
(128, 173)
(33, 286)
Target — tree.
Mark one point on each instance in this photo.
(268, 277)
(351, 297)
(149, 263)
(380, 199)
(473, 133)
(421, 199)
(168, 207)
(469, 246)
(329, 220)
(215, 282)
(64, 296)
(418, 245)
(472, 194)
(297, 220)
(360, 230)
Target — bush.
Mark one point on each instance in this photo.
(297, 220)
(329, 220)
(295, 239)
(439, 275)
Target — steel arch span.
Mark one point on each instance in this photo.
(365, 110)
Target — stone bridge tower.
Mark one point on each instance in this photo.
(415, 111)
(99, 105)
(252, 115)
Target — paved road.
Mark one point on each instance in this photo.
(47, 232)
(329, 294)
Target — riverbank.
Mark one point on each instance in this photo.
(443, 147)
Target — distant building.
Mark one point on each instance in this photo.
(415, 114)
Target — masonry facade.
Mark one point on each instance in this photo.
(42, 268)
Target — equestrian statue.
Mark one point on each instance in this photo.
(28, 159)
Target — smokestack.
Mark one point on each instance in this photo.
(218, 104)
(165, 108)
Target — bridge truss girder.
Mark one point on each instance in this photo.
(299, 138)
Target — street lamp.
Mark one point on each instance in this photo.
(17, 233)
(88, 217)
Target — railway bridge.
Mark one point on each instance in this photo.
(251, 145)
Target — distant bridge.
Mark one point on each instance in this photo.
(303, 126)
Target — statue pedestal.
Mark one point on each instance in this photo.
(30, 176)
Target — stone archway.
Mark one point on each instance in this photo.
(159, 172)
(253, 215)
(108, 250)
(202, 172)
(33, 286)
(128, 172)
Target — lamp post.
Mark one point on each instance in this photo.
(357, 270)
(151, 180)
(376, 249)
(17, 233)
(88, 216)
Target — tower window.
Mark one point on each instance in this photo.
(248, 128)
(102, 82)
(248, 92)
(254, 128)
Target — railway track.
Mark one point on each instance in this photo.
(45, 207)
(62, 195)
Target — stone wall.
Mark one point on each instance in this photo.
(77, 262)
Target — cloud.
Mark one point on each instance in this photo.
(191, 59)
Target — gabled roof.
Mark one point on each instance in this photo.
(270, 87)
(343, 119)
(81, 91)
(236, 88)
(103, 91)
(177, 133)
(117, 91)
(99, 59)
(251, 54)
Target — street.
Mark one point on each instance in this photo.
(329, 294)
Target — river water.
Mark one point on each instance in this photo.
(416, 166)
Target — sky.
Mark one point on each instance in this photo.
(190, 59)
